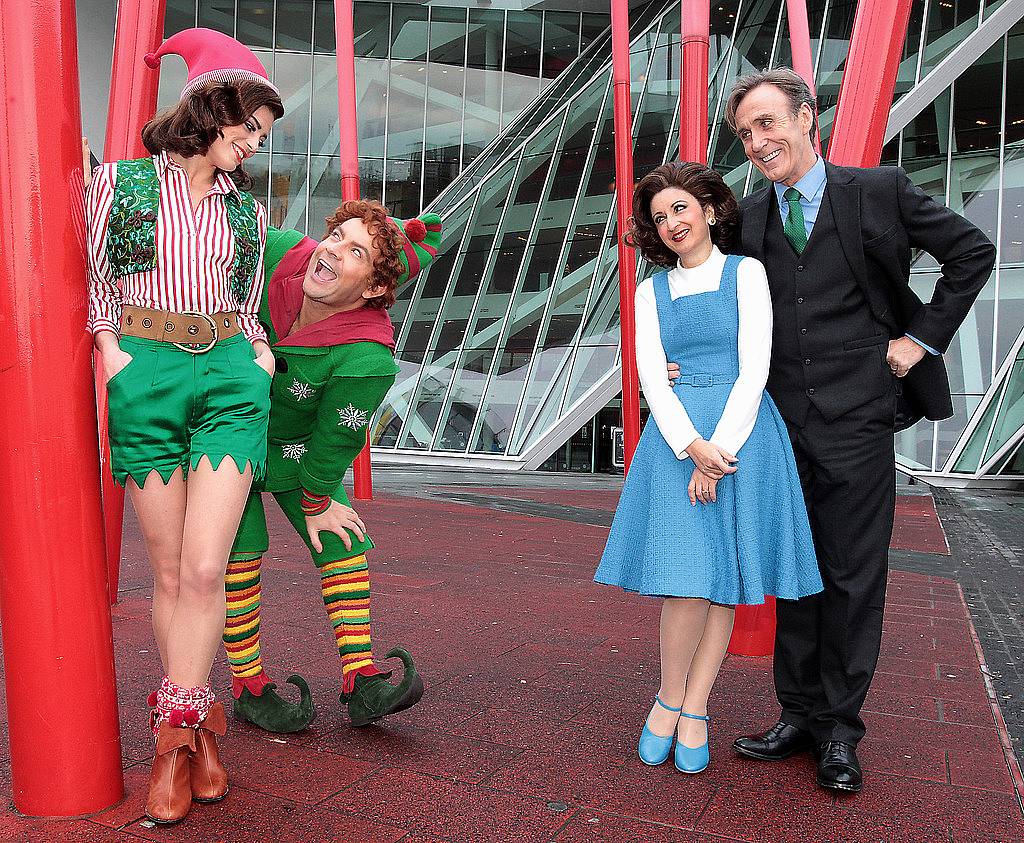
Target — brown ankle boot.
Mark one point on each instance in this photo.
(208, 776)
(170, 794)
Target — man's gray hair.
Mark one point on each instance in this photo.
(786, 80)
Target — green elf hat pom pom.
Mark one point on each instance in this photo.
(419, 248)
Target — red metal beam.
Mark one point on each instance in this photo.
(133, 91)
(65, 744)
(345, 52)
(800, 45)
(624, 209)
(693, 81)
(865, 96)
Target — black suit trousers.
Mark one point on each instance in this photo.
(827, 645)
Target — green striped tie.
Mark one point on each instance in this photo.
(794, 228)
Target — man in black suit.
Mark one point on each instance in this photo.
(854, 350)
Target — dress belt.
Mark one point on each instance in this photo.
(702, 380)
(193, 332)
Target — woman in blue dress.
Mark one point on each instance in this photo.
(711, 514)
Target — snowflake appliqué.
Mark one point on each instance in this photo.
(300, 390)
(353, 417)
(293, 452)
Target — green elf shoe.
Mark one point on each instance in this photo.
(374, 697)
(271, 712)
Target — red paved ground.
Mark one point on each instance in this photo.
(538, 682)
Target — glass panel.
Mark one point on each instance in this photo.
(173, 76)
(482, 111)
(419, 429)
(522, 46)
(448, 36)
(180, 14)
(1010, 417)
(409, 32)
(467, 392)
(925, 151)
(949, 23)
(325, 175)
(594, 26)
(402, 187)
(220, 15)
(914, 445)
(259, 168)
(486, 35)
(591, 364)
(371, 104)
(445, 85)
(292, 74)
(1011, 308)
(977, 106)
(547, 379)
(948, 431)
(295, 25)
(288, 174)
(970, 458)
(323, 24)
(405, 108)
(255, 22)
(370, 23)
(561, 42)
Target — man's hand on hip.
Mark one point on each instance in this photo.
(903, 355)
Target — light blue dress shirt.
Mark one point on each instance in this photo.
(812, 190)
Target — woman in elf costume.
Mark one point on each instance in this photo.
(325, 310)
(175, 282)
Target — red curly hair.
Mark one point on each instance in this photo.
(386, 239)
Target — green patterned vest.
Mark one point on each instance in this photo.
(131, 233)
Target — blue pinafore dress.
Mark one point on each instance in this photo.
(755, 539)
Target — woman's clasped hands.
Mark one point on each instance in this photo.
(712, 464)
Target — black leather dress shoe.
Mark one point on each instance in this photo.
(838, 767)
(780, 741)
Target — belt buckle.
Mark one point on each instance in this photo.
(189, 347)
(703, 380)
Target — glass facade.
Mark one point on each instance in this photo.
(435, 85)
(501, 120)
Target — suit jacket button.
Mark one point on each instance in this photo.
(800, 268)
(807, 362)
(803, 330)
(810, 391)
(800, 300)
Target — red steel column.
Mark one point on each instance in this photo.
(693, 81)
(800, 45)
(865, 96)
(345, 51)
(624, 210)
(58, 650)
(133, 90)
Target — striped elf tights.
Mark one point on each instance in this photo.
(345, 585)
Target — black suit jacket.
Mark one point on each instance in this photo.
(880, 215)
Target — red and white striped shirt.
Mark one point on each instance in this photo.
(194, 254)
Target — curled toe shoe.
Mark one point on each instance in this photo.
(654, 749)
(693, 759)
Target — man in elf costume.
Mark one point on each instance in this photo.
(325, 311)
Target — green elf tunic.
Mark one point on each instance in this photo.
(331, 378)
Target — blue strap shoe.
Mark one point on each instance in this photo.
(654, 749)
(693, 759)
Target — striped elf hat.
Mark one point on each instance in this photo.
(422, 237)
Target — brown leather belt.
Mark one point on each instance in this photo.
(195, 333)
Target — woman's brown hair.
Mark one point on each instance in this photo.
(192, 125)
(386, 239)
(701, 182)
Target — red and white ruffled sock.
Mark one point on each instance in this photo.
(179, 706)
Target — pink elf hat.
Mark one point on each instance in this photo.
(211, 56)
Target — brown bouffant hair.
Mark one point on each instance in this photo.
(193, 124)
(701, 182)
(386, 238)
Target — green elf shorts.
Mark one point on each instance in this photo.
(252, 539)
(169, 408)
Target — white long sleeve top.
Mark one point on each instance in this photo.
(754, 345)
